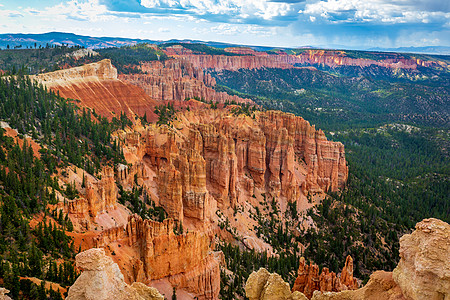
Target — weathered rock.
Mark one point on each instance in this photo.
(308, 279)
(214, 154)
(146, 292)
(424, 268)
(101, 279)
(3, 295)
(151, 250)
(100, 196)
(381, 286)
(255, 284)
(263, 285)
(347, 274)
(276, 289)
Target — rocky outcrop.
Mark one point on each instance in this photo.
(308, 278)
(3, 295)
(381, 286)
(101, 279)
(96, 86)
(100, 195)
(424, 268)
(213, 154)
(177, 80)
(263, 285)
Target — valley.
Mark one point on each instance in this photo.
(191, 167)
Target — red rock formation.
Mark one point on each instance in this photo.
(96, 86)
(308, 279)
(100, 196)
(347, 274)
(178, 80)
(211, 153)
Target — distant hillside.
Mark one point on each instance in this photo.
(441, 50)
(25, 40)
(20, 40)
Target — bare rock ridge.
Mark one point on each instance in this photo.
(96, 86)
(257, 60)
(177, 80)
(101, 279)
(422, 273)
(308, 278)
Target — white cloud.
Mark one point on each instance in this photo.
(237, 8)
(90, 10)
(378, 11)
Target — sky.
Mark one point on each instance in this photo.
(358, 24)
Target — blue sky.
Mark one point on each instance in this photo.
(284, 23)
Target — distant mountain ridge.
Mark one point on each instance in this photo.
(71, 39)
(440, 50)
(25, 40)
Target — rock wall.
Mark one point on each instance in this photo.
(177, 80)
(99, 196)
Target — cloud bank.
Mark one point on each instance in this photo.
(348, 23)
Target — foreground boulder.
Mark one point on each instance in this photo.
(263, 285)
(3, 295)
(101, 280)
(381, 286)
(424, 268)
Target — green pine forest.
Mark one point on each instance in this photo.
(395, 128)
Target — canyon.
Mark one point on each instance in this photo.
(207, 163)
(249, 59)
